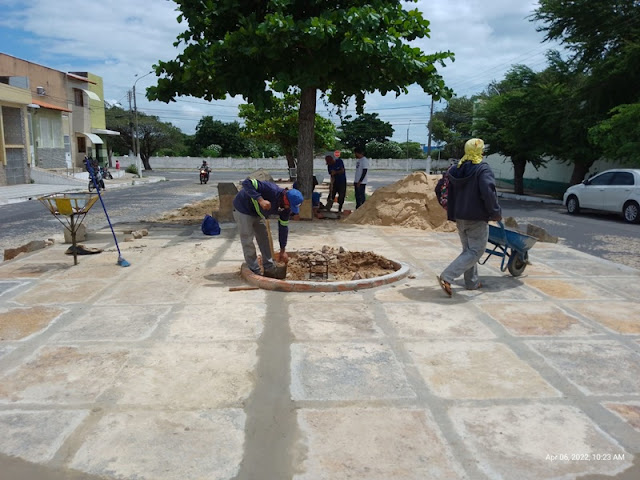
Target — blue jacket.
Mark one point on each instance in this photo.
(472, 193)
(244, 203)
(341, 178)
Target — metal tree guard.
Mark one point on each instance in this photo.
(70, 209)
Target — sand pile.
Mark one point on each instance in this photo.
(410, 202)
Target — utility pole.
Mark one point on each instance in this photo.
(429, 142)
(131, 121)
(408, 139)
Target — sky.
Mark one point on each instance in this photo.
(120, 41)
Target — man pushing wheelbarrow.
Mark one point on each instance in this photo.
(472, 202)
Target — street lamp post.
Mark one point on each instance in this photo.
(136, 140)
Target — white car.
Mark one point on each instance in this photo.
(610, 191)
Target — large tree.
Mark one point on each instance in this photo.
(512, 121)
(603, 38)
(215, 132)
(453, 125)
(279, 123)
(153, 134)
(364, 129)
(343, 49)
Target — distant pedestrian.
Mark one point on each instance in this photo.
(360, 180)
(338, 185)
(472, 203)
(117, 164)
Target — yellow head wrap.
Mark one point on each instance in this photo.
(472, 151)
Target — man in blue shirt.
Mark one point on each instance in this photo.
(335, 167)
(252, 205)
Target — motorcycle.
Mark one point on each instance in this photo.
(204, 175)
(99, 181)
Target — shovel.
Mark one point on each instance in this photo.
(281, 270)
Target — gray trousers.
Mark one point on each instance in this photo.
(249, 227)
(474, 235)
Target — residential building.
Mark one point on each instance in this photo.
(65, 117)
(14, 137)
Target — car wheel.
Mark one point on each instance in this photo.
(573, 205)
(631, 212)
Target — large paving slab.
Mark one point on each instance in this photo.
(374, 443)
(537, 441)
(164, 445)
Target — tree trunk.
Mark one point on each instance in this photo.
(580, 170)
(291, 162)
(306, 137)
(519, 164)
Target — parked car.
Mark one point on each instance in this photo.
(610, 191)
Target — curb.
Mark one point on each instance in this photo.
(526, 198)
(311, 287)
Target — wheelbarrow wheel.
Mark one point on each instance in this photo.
(516, 264)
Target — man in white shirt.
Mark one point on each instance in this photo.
(360, 181)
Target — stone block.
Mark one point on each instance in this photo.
(226, 193)
(81, 234)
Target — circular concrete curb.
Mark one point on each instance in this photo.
(303, 286)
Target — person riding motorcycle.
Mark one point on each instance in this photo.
(204, 167)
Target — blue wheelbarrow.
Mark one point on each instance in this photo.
(512, 246)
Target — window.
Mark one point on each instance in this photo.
(82, 145)
(622, 178)
(50, 132)
(78, 95)
(602, 179)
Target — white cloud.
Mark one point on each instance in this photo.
(117, 39)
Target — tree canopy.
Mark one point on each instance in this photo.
(228, 136)
(342, 49)
(153, 134)
(510, 122)
(279, 123)
(603, 71)
(453, 125)
(364, 129)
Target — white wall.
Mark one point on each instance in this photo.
(159, 163)
(553, 171)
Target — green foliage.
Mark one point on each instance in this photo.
(510, 123)
(214, 132)
(279, 123)
(234, 47)
(603, 37)
(343, 49)
(212, 151)
(154, 135)
(132, 169)
(619, 135)
(411, 150)
(376, 149)
(364, 129)
(453, 125)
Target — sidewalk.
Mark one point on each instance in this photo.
(157, 371)
(31, 191)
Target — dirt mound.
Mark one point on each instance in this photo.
(342, 264)
(410, 202)
(191, 214)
